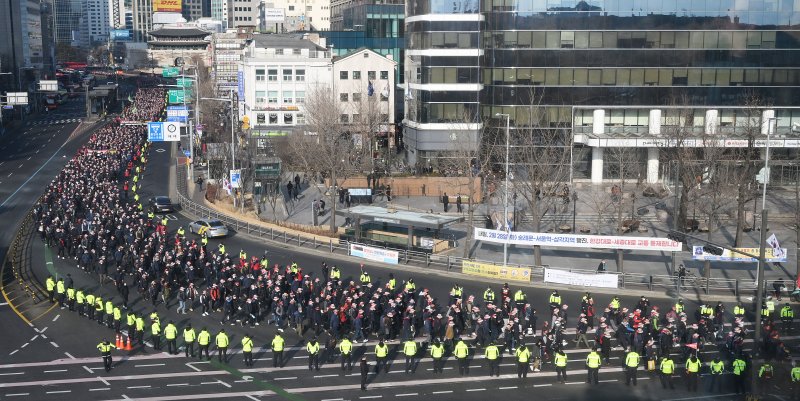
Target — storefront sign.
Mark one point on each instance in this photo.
(577, 240)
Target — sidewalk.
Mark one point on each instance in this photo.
(781, 205)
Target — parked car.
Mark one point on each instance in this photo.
(161, 204)
(212, 228)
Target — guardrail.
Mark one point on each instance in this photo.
(627, 280)
(18, 260)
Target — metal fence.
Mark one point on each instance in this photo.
(694, 285)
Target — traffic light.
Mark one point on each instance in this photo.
(714, 250)
(676, 236)
(245, 122)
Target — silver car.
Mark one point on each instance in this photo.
(212, 228)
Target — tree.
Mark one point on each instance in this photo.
(540, 159)
(326, 147)
(750, 125)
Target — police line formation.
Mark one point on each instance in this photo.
(92, 213)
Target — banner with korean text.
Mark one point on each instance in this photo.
(496, 271)
(376, 254)
(728, 256)
(579, 279)
(577, 240)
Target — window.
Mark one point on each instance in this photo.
(299, 75)
(343, 97)
(261, 97)
(272, 75)
(288, 118)
(287, 74)
(356, 74)
(371, 75)
(301, 119)
(343, 118)
(273, 118)
(259, 74)
(272, 97)
(287, 96)
(296, 52)
(356, 118)
(342, 74)
(261, 118)
(356, 97)
(384, 74)
(279, 52)
(291, 8)
(300, 97)
(384, 117)
(309, 8)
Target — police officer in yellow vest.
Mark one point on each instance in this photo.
(738, 310)
(313, 354)
(787, 315)
(765, 374)
(98, 309)
(555, 300)
(365, 278)
(488, 296)
(679, 306)
(51, 287)
(560, 360)
(109, 313)
(139, 330)
(90, 300)
(437, 354)
(61, 292)
(80, 300)
(105, 350)
(716, 369)
(461, 352)
(631, 365)
(346, 349)
(391, 285)
(336, 274)
(593, 361)
(381, 352)
(523, 361)
(410, 351)
(692, 372)
(189, 337)
(277, 349)
(520, 299)
(71, 298)
(171, 334)
(221, 249)
(242, 255)
(247, 350)
(222, 342)
(795, 376)
(181, 232)
(155, 335)
(492, 354)
(203, 341)
(456, 293)
(666, 369)
(117, 318)
(410, 286)
(739, 366)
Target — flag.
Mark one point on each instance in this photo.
(370, 89)
(409, 95)
(777, 251)
(385, 91)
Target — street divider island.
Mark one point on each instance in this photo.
(376, 254)
(577, 240)
(580, 279)
(507, 273)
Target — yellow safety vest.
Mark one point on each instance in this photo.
(381, 352)
(346, 347)
(277, 343)
(693, 366)
(247, 344)
(560, 360)
(667, 366)
(410, 348)
(155, 329)
(461, 351)
(739, 366)
(437, 351)
(312, 348)
(593, 360)
(204, 338)
(492, 352)
(222, 340)
(632, 360)
(189, 335)
(523, 354)
(170, 332)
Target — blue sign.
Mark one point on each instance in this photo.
(155, 132)
(241, 85)
(187, 153)
(177, 119)
(120, 34)
(8, 107)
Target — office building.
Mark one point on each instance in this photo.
(99, 19)
(142, 19)
(227, 53)
(26, 50)
(69, 23)
(607, 74)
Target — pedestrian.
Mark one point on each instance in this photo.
(560, 360)
(631, 366)
(364, 373)
(105, 350)
(601, 268)
(445, 201)
(388, 193)
(247, 350)
(203, 342)
(277, 350)
(222, 342)
(458, 204)
(492, 353)
(765, 377)
(313, 353)
(410, 350)
(189, 337)
(593, 362)
(795, 377)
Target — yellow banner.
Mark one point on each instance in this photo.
(494, 271)
(167, 6)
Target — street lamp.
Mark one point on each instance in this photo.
(761, 259)
(505, 192)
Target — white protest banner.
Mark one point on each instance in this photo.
(579, 279)
(727, 256)
(376, 254)
(578, 240)
(776, 246)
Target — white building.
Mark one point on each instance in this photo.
(364, 82)
(306, 15)
(98, 17)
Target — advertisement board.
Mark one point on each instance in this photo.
(509, 273)
(120, 34)
(580, 279)
(274, 15)
(376, 254)
(728, 256)
(168, 6)
(578, 240)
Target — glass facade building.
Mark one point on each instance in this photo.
(620, 61)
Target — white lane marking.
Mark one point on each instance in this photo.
(286, 378)
(573, 383)
(508, 388)
(43, 336)
(29, 157)
(149, 365)
(12, 373)
(53, 344)
(177, 384)
(367, 397)
(321, 376)
(195, 368)
(43, 330)
(3, 303)
(476, 389)
(55, 371)
(57, 316)
(59, 392)
(100, 389)
(224, 384)
(25, 345)
(611, 381)
(252, 398)
(133, 387)
(87, 369)
(13, 352)
(69, 355)
(442, 392)
(10, 174)
(333, 399)
(34, 337)
(104, 381)
(542, 385)
(20, 166)
(694, 398)
(406, 395)
(17, 394)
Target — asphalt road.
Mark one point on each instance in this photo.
(57, 359)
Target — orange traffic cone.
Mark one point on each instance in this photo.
(119, 342)
(128, 345)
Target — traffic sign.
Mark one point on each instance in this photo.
(179, 95)
(8, 107)
(170, 72)
(184, 82)
(155, 132)
(236, 176)
(187, 153)
(163, 132)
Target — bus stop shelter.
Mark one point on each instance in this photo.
(405, 219)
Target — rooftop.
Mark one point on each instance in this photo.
(400, 217)
(180, 32)
(285, 41)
